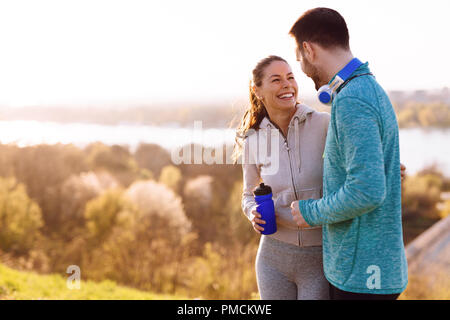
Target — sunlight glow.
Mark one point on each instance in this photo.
(100, 51)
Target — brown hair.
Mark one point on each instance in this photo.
(323, 26)
(256, 112)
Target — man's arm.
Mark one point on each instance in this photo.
(358, 131)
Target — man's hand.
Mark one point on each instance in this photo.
(297, 215)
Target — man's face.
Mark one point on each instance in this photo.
(308, 68)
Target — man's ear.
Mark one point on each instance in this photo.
(309, 51)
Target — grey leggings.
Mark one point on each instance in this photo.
(288, 272)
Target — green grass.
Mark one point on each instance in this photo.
(22, 285)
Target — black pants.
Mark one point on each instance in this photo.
(337, 294)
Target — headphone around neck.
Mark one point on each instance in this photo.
(327, 92)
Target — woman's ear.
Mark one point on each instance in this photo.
(256, 91)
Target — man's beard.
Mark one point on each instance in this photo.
(313, 72)
(317, 82)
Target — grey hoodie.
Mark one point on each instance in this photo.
(292, 167)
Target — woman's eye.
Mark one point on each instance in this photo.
(275, 80)
(291, 78)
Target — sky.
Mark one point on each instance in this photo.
(125, 52)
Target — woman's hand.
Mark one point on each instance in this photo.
(256, 219)
(402, 171)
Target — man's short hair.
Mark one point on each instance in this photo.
(322, 26)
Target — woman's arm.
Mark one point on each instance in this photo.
(251, 181)
(252, 178)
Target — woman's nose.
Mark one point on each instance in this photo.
(285, 83)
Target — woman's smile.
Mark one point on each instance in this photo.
(286, 96)
(279, 88)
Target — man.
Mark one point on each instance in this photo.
(363, 251)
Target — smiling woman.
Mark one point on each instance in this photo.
(264, 86)
(278, 92)
(298, 132)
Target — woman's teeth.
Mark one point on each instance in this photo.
(286, 96)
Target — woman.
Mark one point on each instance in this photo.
(288, 262)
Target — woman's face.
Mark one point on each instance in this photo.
(278, 89)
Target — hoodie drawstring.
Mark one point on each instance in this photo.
(297, 143)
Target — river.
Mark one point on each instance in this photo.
(418, 147)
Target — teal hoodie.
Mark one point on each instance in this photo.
(360, 211)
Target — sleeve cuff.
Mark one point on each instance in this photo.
(304, 210)
(249, 210)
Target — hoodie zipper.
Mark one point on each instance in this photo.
(300, 240)
(290, 167)
(299, 233)
(289, 154)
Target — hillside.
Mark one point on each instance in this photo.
(20, 285)
(429, 264)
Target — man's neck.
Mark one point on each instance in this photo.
(335, 62)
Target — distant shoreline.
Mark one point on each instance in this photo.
(419, 147)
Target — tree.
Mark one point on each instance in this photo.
(76, 191)
(43, 169)
(106, 212)
(161, 210)
(152, 157)
(171, 177)
(240, 229)
(198, 200)
(420, 195)
(141, 236)
(115, 159)
(20, 218)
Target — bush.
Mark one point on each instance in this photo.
(421, 193)
(115, 159)
(198, 202)
(171, 177)
(239, 227)
(141, 237)
(76, 191)
(425, 115)
(20, 218)
(106, 212)
(223, 273)
(43, 169)
(161, 210)
(7, 153)
(445, 209)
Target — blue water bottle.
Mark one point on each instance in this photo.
(263, 197)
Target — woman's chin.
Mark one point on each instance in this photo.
(287, 105)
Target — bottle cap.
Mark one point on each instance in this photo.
(262, 190)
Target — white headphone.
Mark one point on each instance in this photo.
(327, 92)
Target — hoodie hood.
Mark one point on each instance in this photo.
(299, 116)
